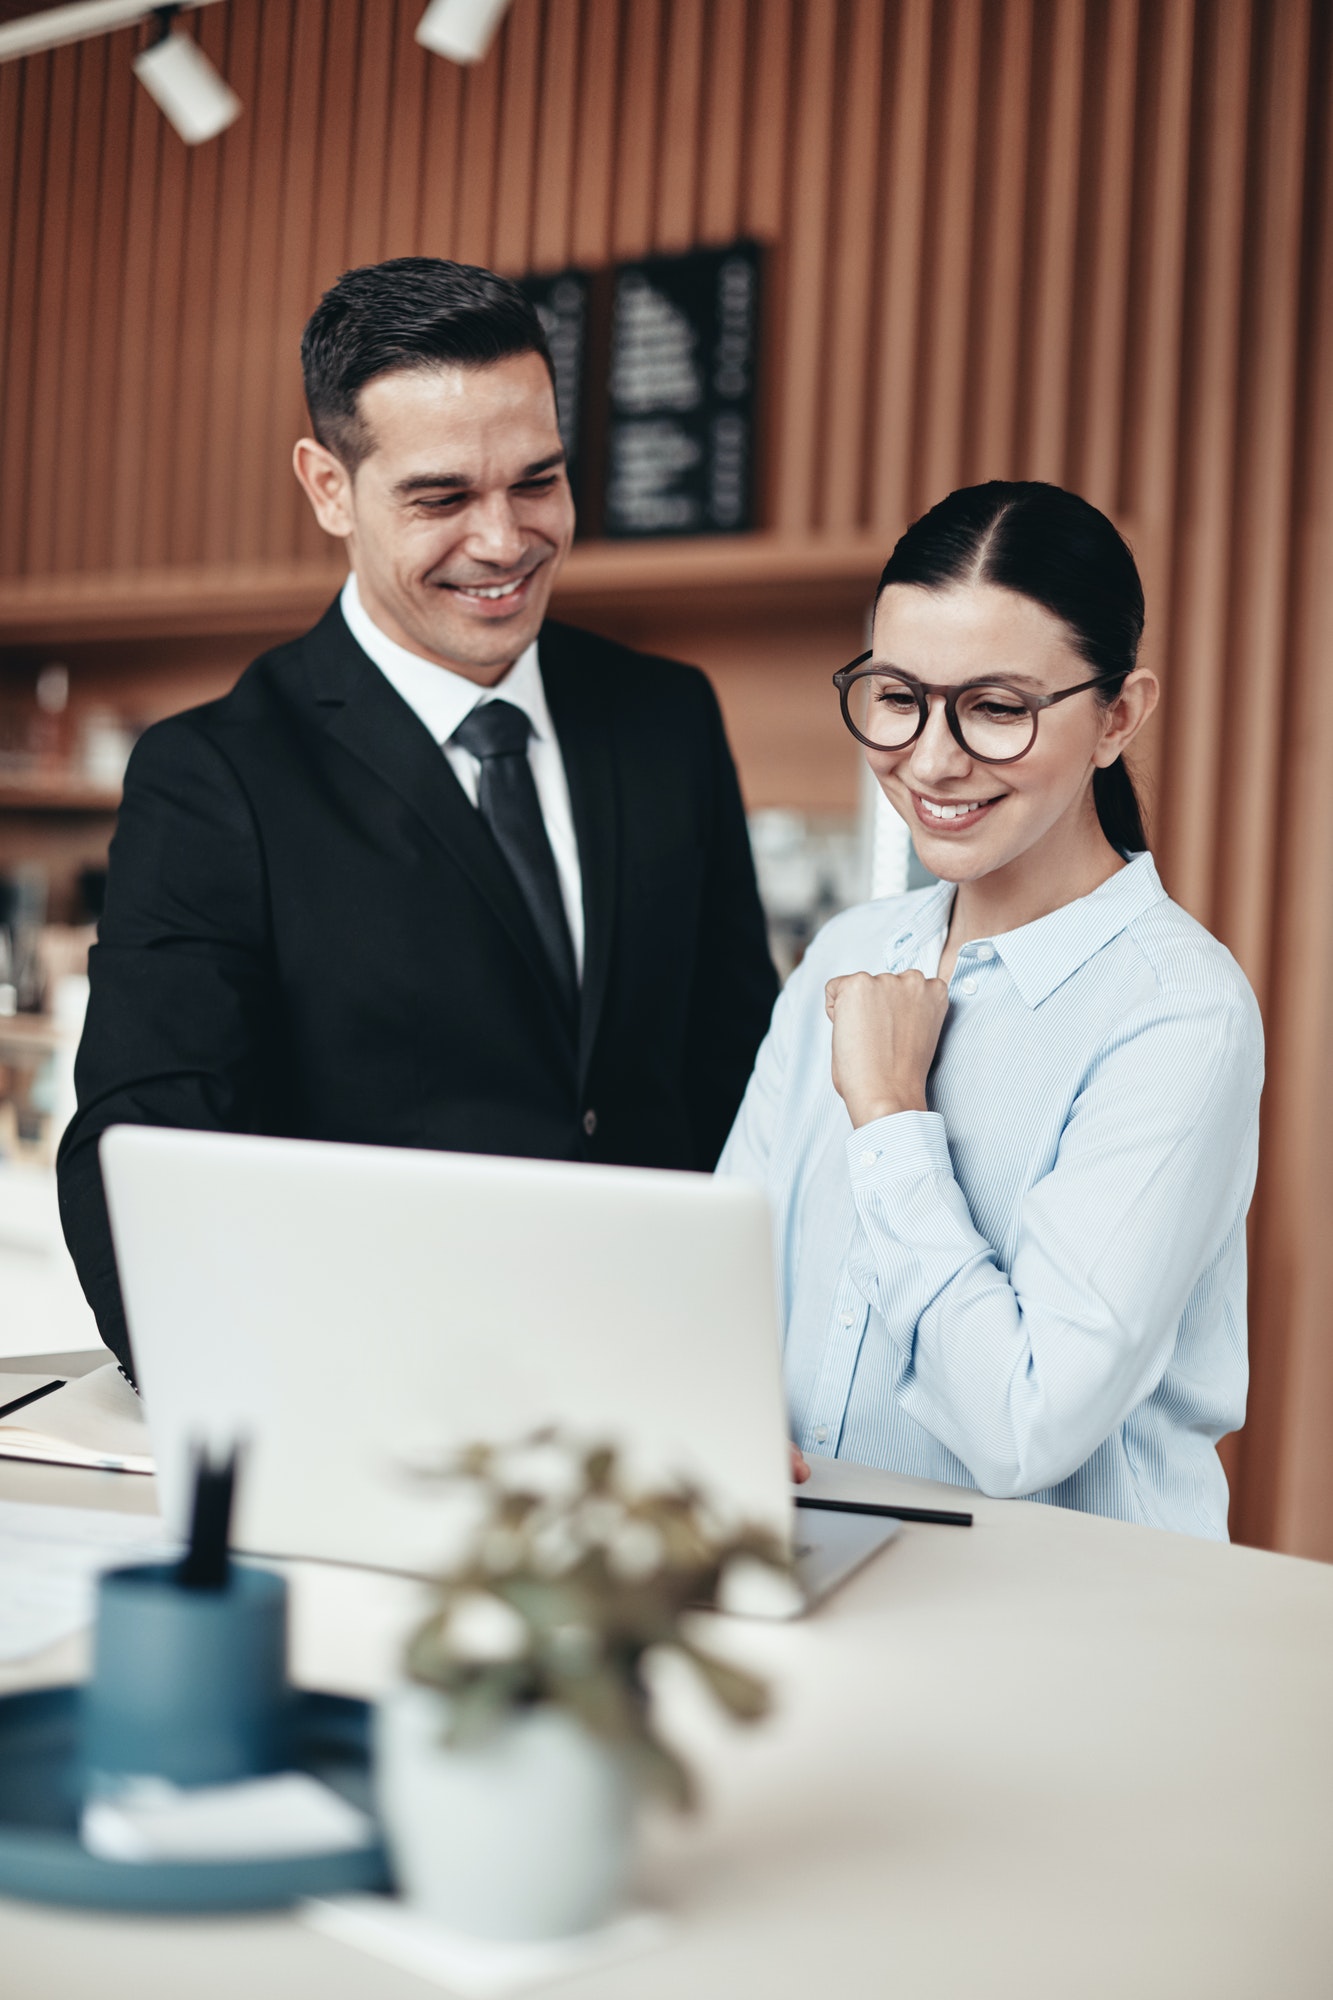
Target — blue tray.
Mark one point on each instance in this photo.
(42, 1858)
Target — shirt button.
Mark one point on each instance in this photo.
(820, 1433)
(590, 1122)
(985, 951)
(848, 1320)
(967, 986)
(868, 1158)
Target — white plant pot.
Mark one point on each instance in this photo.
(528, 1835)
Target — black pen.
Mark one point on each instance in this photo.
(939, 1515)
(206, 1563)
(33, 1396)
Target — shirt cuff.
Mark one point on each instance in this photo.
(907, 1145)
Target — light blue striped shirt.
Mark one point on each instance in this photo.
(1037, 1286)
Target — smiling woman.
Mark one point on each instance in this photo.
(1009, 1124)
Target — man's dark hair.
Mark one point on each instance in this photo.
(411, 312)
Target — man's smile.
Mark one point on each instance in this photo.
(492, 598)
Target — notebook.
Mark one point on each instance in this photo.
(96, 1421)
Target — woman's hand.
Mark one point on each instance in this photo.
(886, 1027)
(800, 1471)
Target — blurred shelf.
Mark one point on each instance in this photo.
(55, 794)
(28, 1035)
(185, 603)
(721, 574)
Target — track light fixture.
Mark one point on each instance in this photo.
(184, 84)
(463, 30)
(174, 70)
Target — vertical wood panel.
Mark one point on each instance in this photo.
(57, 310)
(1106, 225)
(679, 170)
(595, 150)
(442, 140)
(948, 273)
(512, 247)
(855, 212)
(113, 201)
(49, 308)
(476, 163)
(287, 514)
(161, 385)
(77, 417)
(1198, 658)
(16, 385)
(133, 385)
(1149, 442)
(263, 458)
(905, 172)
(189, 473)
(1003, 193)
(1261, 577)
(769, 125)
(557, 110)
(235, 190)
(370, 128)
(11, 92)
(803, 376)
(1057, 220)
(1285, 1492)
(407, 98)
(724, 124)
(637, 136)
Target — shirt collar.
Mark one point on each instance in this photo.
(437, 695)
(1040, 956)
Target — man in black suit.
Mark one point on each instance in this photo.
(441, 873)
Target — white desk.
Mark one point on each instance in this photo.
(1048, 1756)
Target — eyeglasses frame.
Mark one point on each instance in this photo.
(856, 670)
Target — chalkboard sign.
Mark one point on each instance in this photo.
(684, 351)
(562, 308)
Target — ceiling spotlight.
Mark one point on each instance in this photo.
(463, 30)
(184, 84)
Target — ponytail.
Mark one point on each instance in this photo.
(1118, 808)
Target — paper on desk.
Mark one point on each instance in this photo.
(95, 1421)
(477, 1968)
(49, 1559)
(258, 1819)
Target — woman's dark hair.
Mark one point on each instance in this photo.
(1057, 549)
(411, 312)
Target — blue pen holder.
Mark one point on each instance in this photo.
(187, 1685)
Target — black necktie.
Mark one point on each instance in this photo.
(496, 734)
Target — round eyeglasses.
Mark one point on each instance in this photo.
(992, 721)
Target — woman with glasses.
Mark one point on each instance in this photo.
(1009, 1123)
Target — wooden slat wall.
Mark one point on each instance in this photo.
(1081, 240)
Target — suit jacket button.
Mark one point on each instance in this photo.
(590, 1122)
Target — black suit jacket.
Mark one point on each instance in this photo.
(310, 931)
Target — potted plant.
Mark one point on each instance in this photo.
(509, 1762)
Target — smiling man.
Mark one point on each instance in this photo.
(442, 872)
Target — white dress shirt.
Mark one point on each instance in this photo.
(1037, 1285)
(442, 699)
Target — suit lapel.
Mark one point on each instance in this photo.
(370, 720)
(585, 728)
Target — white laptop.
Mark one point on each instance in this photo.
(352, 1311)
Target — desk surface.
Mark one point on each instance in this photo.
(1048, 1756)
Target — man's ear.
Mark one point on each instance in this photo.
(1127, 714)
(327, 485)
